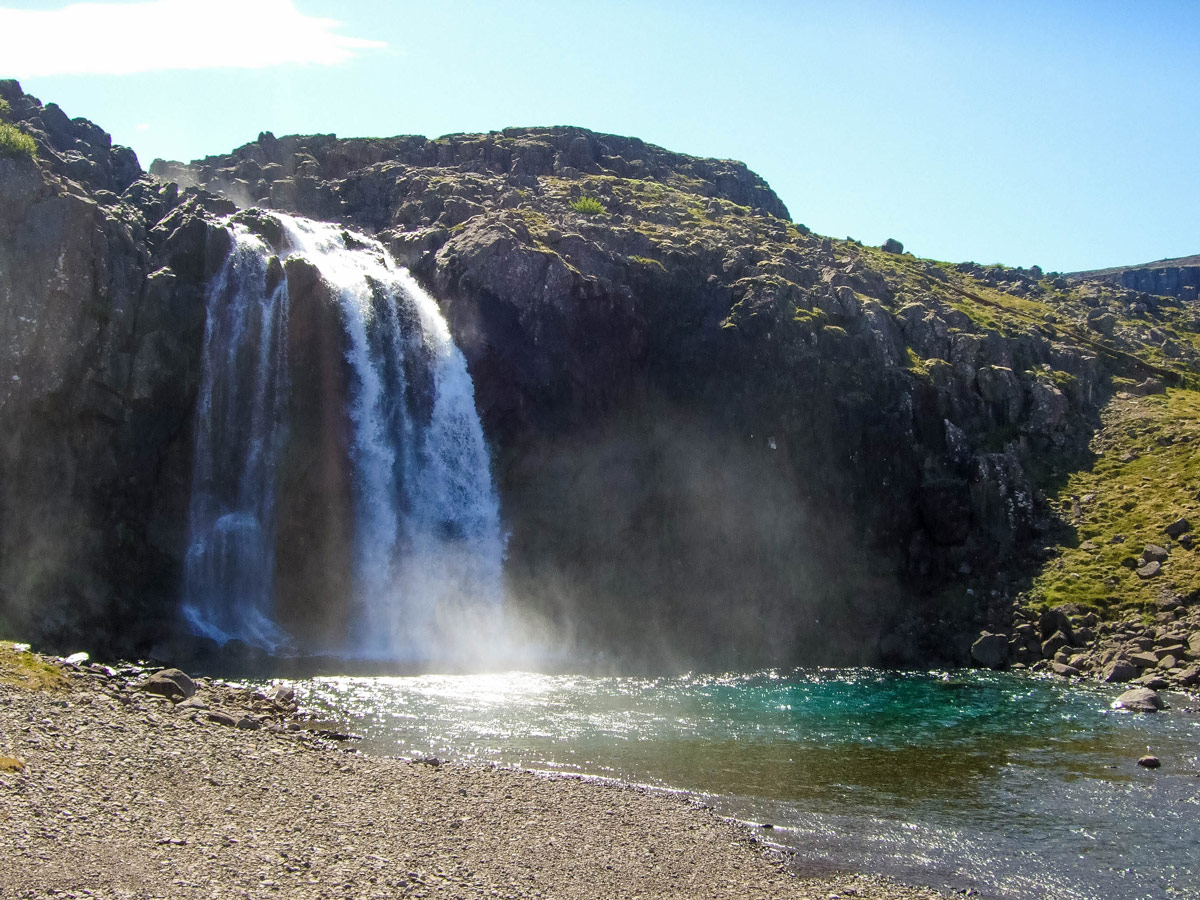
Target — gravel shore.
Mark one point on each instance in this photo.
(108, 791)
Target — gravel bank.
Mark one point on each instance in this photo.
(112, 792)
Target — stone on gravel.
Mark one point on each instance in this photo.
(283, 693)
(249, 724)
(170, 683)
(1139, 700)
(1149, 762)
(222, 718)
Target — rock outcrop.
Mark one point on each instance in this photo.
(102, 276)
(718, 438)
(1165, 277)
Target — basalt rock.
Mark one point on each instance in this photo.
(717, 436)
(101, 280)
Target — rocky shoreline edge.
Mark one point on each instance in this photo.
(117, 782)
(1149, 652)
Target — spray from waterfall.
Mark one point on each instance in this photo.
(426, 544)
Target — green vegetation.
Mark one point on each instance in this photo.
(1146, 476)
(20, 668)
(647, 261)
(15, 144)
(5, 110)
(588, 206)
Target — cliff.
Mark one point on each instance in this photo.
(102, 276)
(1165, 277)
(719, 438)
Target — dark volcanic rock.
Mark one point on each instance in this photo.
(102, 277)
(170, 683)
(716, 435)
(991, 650)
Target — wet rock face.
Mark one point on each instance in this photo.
(102, 311)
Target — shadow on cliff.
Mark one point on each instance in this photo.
(657, 541)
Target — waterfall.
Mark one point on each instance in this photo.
(426, 542)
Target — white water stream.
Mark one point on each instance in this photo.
(427, 541)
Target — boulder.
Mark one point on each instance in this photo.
(1155, 553)
(1119, 671)
(1053, 620)
(1063, 669)
(1145, 660)
(1149, 762)
(222, 718)
(1054, 643)
(990, 650)
(1139, 700)
(1149, 570)
(170, 683)
(1177, 528)
(1189, 677)
(891, 245)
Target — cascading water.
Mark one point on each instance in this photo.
(427, 546)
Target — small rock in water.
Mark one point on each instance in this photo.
(1149, 762)
(1139, 700)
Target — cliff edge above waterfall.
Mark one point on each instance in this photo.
(718, 438)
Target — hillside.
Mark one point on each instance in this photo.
(719, 438)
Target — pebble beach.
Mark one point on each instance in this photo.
(108, 790)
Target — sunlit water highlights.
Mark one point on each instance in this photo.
(1018, 788)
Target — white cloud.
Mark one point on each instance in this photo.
(155, 35)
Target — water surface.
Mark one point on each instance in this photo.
(1012, 786)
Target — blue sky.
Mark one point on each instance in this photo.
(1063, 134)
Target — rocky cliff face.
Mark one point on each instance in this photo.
(719, 438)
(1166, 277)
(101, 307)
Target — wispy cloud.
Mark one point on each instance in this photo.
(156, 35)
